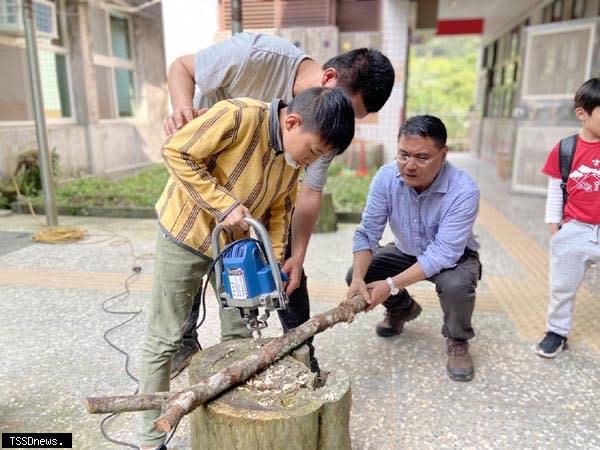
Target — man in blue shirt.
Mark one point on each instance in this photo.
(431, 207)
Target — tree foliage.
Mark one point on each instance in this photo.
(441, 81)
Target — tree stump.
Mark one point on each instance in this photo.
(276, 409)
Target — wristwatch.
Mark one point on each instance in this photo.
(393, 289)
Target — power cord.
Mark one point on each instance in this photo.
(136, 269)
(133, 314)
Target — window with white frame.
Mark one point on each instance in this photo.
(15, 90)
(113, 63)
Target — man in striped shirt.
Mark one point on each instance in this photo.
(241, 158)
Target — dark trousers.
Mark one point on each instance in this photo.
(297, 312)
(455, 287)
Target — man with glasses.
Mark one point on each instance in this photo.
(431, 207)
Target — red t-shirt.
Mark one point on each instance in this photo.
(583, 185)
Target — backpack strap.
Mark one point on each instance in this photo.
(566, 150)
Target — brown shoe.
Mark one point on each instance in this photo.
(460, 364)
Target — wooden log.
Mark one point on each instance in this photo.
(277, 408)
(181, 403)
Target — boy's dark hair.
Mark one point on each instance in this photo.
(425, 126)
(328, 113)
(588, 95)
(365, 71)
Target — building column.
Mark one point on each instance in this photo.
(394, 28)
(83, 76)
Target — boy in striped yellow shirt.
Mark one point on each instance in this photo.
(241, 158)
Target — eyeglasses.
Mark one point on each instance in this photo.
(419, 160)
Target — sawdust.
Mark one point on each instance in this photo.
(277, 385)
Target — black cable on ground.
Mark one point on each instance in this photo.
(133, 314)
(123, 295)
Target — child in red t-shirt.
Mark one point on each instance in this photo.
(574, 246)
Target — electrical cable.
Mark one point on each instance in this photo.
(133, 315)
(122, 295)
(137, 269)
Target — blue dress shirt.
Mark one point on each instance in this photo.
(435, 226)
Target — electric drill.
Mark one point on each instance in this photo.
(248, 277)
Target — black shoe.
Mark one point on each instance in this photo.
(551, 345)
(393, 321)
(411, 313)
(391, 325)
(183, 357)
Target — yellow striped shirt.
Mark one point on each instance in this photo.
(217, 161)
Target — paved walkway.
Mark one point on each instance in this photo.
(58, 301)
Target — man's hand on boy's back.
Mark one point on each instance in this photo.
(179, 117)
(235, 220)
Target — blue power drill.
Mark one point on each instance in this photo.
(248, 277)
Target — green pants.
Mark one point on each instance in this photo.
(178, 275)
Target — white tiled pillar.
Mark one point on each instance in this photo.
(394, 21)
